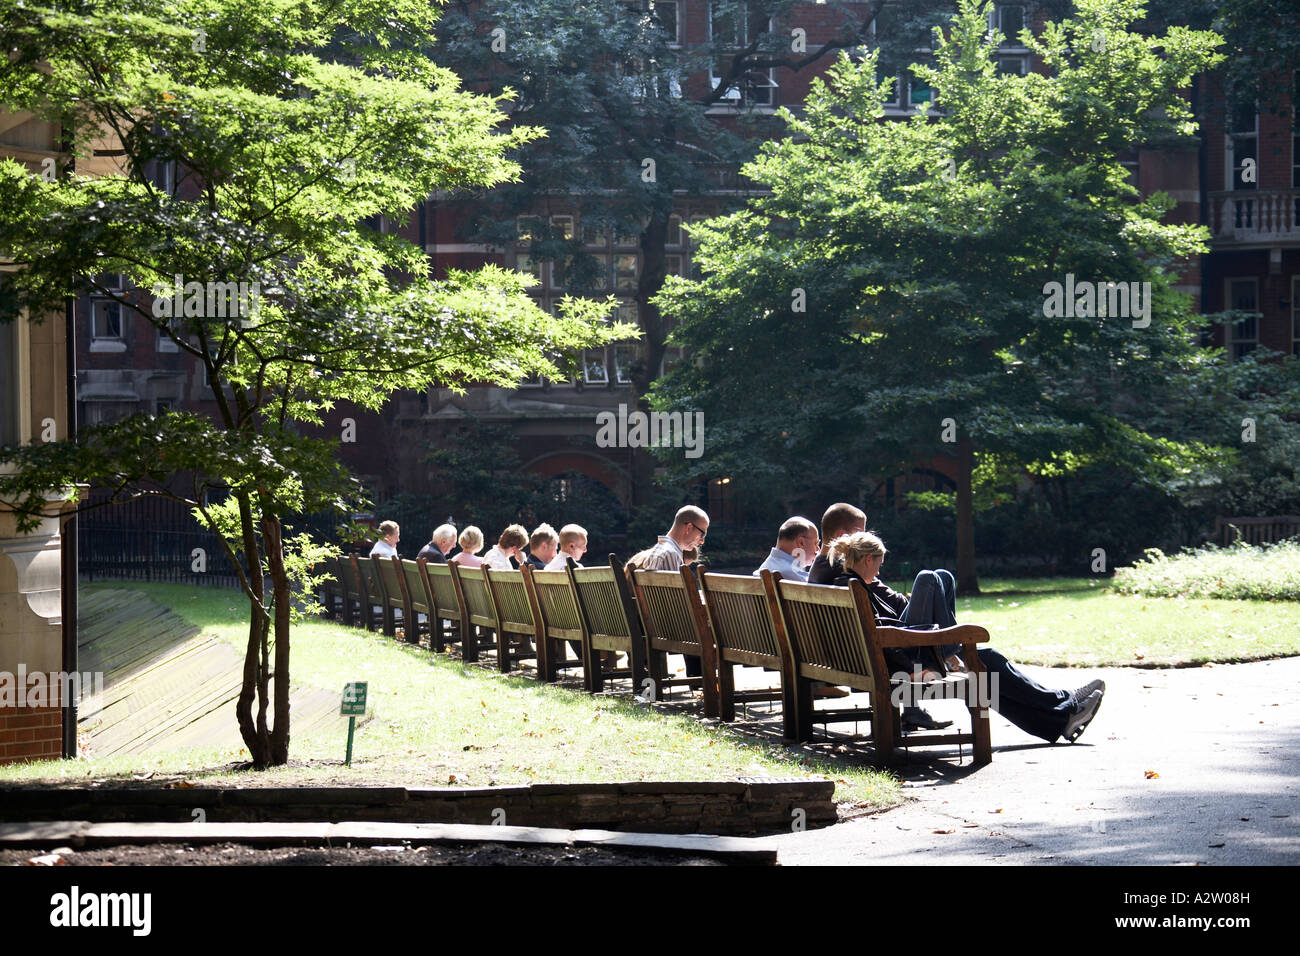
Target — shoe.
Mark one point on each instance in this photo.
(1081, 694)
(1084, 711)
(914, 718)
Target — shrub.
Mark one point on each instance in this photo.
(1268, 572)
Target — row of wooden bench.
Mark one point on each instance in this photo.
(807, 634)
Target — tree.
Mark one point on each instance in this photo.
(290, 125)
(628, 112)
(890, 299)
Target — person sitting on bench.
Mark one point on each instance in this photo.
(1035, 709)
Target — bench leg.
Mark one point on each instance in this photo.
(726, 691)
(884, 726)
(803, 710)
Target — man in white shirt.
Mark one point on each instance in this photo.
(573, 544)
(797, 544)
(386, 546)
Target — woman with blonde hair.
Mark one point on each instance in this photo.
(471, 543)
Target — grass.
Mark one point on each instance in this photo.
(1269, 572)
(435, 721)
(1084, 622)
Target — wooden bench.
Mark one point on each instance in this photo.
(675, 622)
(559, 621)
(332, 597)
(388, 574)
(354, 594)
(415, 590)
(609, 623)
(834, 638)
(372, 601)
(747, 629)
(478, 614)
(515, 623)
(447, 605)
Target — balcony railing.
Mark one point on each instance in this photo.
(1262, 215)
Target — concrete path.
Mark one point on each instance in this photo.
(1223, 739)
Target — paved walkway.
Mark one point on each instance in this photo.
(1223, 740)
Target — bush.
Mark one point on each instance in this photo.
(1269, 572)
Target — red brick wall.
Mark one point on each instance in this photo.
(30, 733)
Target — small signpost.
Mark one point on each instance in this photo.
(354, 706)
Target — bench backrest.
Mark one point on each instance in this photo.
(417, 588)
(740, 611)
(390, 574)
(558, 604)
(514, 612)
(370, 584)
(478, 600)
(604, 608)
(350, 578)
(830, 630)
(668, 602)
(438, 574)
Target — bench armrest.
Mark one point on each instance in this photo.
(957, 634)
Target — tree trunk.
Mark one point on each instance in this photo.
(280, 594)
(967, 582)
(254, 735)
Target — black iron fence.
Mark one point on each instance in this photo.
(151, 539)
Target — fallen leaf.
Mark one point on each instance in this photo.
(1150, 774)
(47, 859)
(943, 831)
(1216, 846)
(998, 810)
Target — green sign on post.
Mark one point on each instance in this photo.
(354, 706)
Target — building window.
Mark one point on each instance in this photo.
(529, 265)
(625, 273)
(594, 370)
(623, 356)
(1013, 65)
(1007, 19)
(892, 99)
(733, 27)
(1243, 148)
(563, 225)
(627, 311)
(918, 93)
(1243, 335)
(674, 237)
(667, 14)
(593, 235)
(106, 323)
(526, 228)
(166, 343)
(162, 173)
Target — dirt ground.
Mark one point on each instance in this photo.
(231, 854)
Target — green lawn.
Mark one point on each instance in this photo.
(1082, 622)
(436, 721)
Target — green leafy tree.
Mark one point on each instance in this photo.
(632, 119)
(291, 125)
(886, 301)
